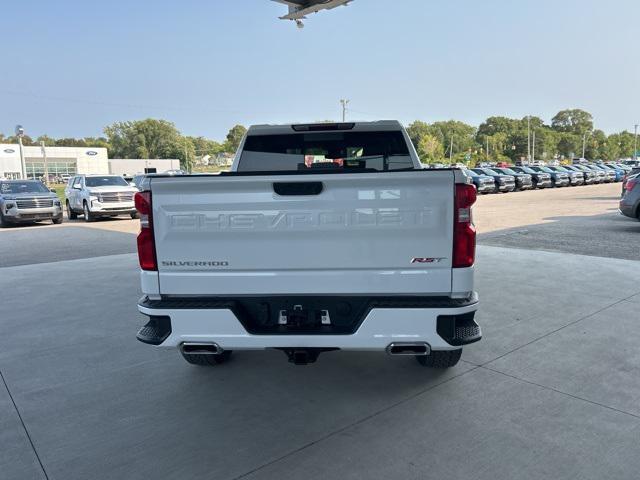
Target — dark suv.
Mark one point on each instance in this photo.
(559, 179)
(524, 181)
(503, 183)
(539, 179)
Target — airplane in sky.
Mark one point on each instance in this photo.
(298, 9)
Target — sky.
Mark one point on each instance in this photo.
(71, 67)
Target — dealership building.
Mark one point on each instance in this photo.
(63, 162)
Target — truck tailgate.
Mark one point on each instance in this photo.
(381, 233)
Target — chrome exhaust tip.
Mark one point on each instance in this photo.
(418, 348)
(192, 348)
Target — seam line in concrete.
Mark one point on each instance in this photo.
(487, 243)
(637, 417)
(33, 447)
(559, 328)
(67, 260)
(351, 425)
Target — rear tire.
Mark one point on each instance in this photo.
(440, 359)
(70, 213)
(207, 360)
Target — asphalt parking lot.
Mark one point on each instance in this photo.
(552, 391)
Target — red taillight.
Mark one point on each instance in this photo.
(146, 242)
(630, 184)
(464, 233)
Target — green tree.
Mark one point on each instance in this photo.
(430, 148)
(148, 138)
(26, 140)
(574, 121)
(416, 131)
(458, 135)
(621, 144)
(234, 137)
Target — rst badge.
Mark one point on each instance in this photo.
(426, 260)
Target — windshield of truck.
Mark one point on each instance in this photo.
(22, 187)
(380, 151)
(507, 171)
(106, 181)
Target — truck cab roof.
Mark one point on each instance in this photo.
(268, 129)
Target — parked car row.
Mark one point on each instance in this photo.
(506, 179)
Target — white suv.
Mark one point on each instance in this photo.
(99, 196)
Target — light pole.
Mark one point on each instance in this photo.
(451, 150)
(23, 166)
(46, 165)
(533, 146)
(344, 102)
(488, 126)
(635, 143)
(529, 138)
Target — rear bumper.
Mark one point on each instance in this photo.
(444, 327)
(629, 209)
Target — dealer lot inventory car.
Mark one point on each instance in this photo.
(503, 183)
(609, 175)
(590, 177)
(524, 181)
(539, 179)
(483, 183)
(559, 179)
(97, 196)
(576, 178)
(27, 201)
(602, 176)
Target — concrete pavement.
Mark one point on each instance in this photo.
(550, 392)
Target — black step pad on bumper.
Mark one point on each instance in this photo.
(156, 331)
(458, 330)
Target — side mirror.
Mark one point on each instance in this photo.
(52, 190)
(131, 184)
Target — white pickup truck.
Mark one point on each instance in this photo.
(322, 237)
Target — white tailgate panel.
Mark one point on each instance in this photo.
(235, 236)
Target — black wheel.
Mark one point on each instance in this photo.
(207, 360)
(3, 221)
(440, 359)
(88, 217)
(134, 215)
(57, 220)
(71, 215)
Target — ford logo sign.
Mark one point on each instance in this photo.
(92, 153)
(9, 150)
